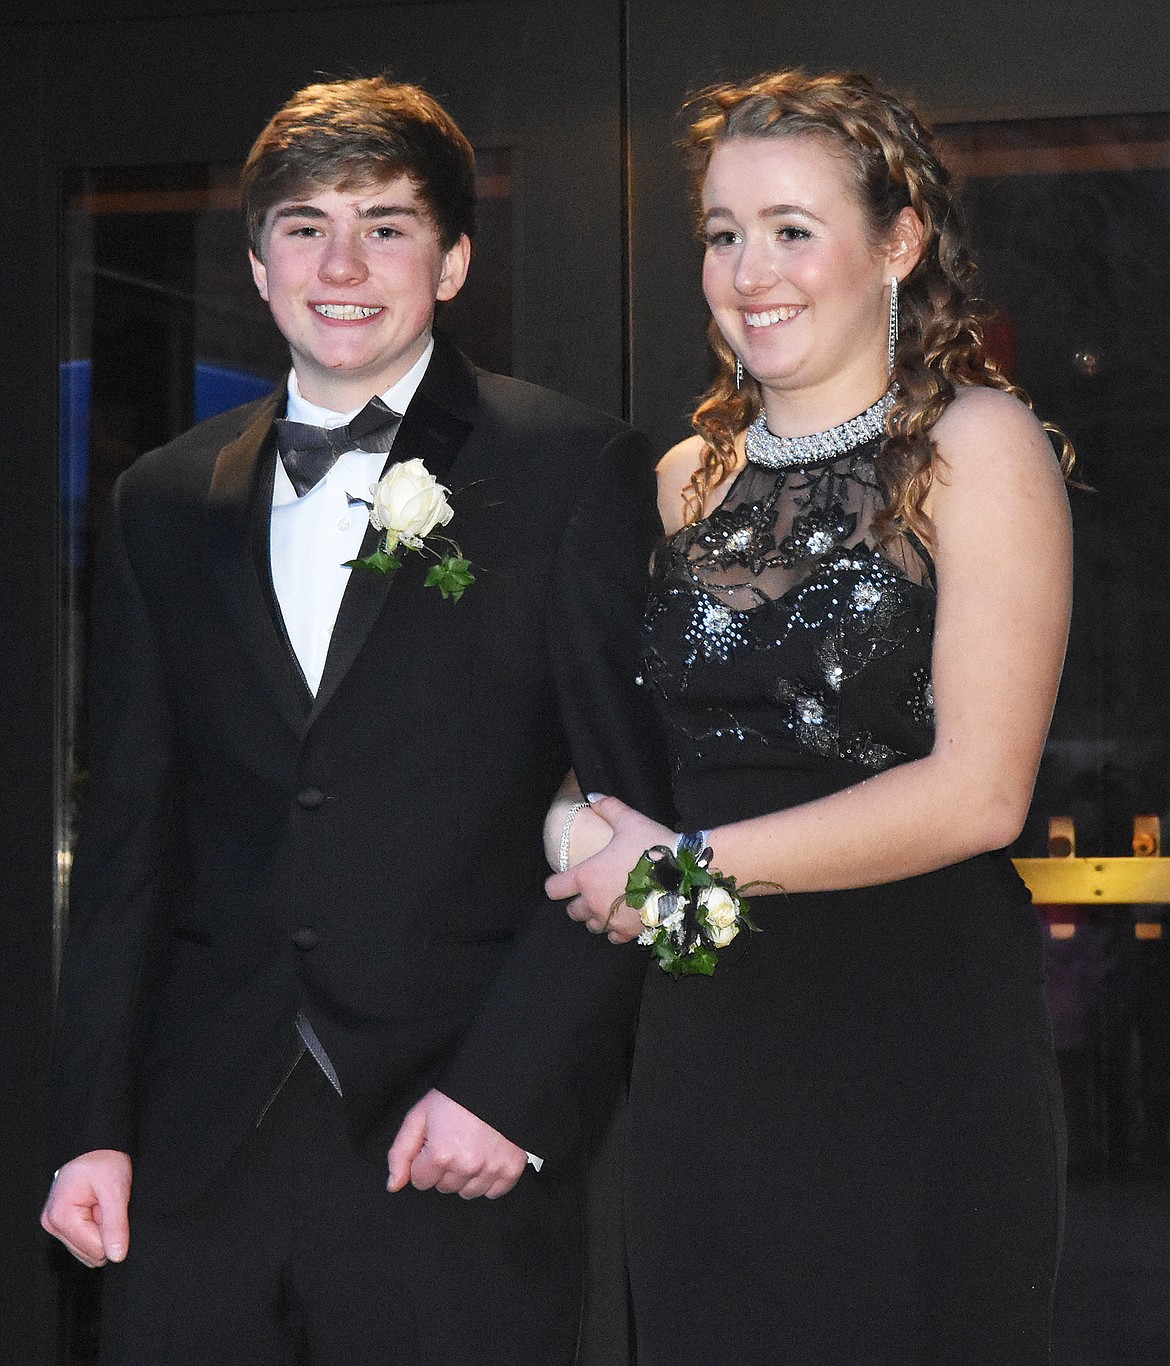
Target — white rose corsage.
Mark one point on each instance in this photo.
(689, 909)
(409, 503)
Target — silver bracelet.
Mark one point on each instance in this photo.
(566, 833)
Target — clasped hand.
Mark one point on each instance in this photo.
(594, 888)
(88, 1206)
(443, 1146)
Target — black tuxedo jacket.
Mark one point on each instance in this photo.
(371, 855)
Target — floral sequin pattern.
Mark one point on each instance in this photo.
(714, 630)
(816, 533)
(780, 624)
(736, 537)
(918, 700)
(855, 591)
(809, 716)
(854, 612)
(869, 753)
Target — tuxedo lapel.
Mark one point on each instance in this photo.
(436, 425)
(238, 516)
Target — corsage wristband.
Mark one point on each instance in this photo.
(689, 910)
(695, 841)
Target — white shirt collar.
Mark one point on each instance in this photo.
(358, 470)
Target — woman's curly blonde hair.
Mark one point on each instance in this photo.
(940, 346)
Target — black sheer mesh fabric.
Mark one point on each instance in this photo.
(779, 630)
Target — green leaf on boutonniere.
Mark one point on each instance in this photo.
(451, 576)
(380, 562)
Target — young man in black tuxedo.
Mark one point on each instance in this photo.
(309, 936)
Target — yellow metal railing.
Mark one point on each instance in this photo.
(1062, 879)
(1096, 881)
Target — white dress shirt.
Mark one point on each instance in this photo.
(312, 537)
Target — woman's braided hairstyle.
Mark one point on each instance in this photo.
(940, 346)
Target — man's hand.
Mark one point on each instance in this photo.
(88, 1207)
(445, 1147)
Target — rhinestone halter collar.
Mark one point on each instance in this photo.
(777, 452)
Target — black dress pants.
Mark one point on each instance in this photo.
(298, 1256)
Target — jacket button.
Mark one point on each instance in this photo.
(310, 799)
(305, 938)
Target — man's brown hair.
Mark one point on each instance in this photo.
(345, 135)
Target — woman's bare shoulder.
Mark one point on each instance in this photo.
(977, 412)
(674, 474)
(992, 446)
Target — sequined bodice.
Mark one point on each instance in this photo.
(779, 632)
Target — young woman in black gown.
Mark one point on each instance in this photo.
(845, 1147)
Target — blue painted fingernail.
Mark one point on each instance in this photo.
(592, 797)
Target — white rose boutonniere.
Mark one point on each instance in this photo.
(409, 503)
(689, 909)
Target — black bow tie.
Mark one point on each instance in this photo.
(310, 452)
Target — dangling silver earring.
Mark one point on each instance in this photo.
(738, 373)
(893, 319)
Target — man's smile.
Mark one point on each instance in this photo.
(345, 312)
